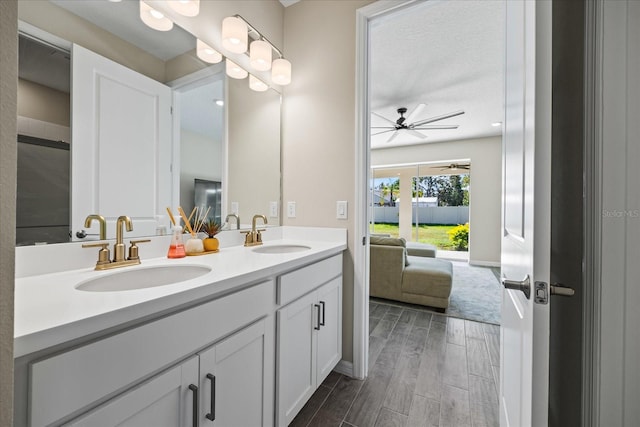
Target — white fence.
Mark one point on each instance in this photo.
(425, 215)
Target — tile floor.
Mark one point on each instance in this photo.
(425, 369)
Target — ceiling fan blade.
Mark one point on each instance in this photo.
(424, 127)
(384, 131)
(417, 134)
(436, 118)
(384, 118)
(415, 113)
(392, 137)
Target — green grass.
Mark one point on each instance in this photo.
(435, 234)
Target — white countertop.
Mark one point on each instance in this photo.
(49, 310)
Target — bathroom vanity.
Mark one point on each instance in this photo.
(245, 343)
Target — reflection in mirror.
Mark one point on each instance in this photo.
(48, 117)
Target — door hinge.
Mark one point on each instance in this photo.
(364, 241)
(171, 109)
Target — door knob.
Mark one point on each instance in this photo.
(522, 285)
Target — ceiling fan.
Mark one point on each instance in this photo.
(455, 166)
(410, 126)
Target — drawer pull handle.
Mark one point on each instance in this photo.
(194, 389)
(317, 328)
(212, 415)
(322, 323)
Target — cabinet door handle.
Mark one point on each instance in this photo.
(196, 411)
(322, 323)
(212, 415)
(317, 328)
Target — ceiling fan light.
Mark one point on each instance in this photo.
(235, 71)
(185, 7)
(260, 55)
(154, 18)
(207, 53)
(281, 71)
(257, 84)
(234, 34)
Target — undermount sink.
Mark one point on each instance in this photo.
(280, 249)
(144, 277)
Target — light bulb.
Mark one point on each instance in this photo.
(234, 34)
(257, 84)
(154, 18)
(281, 71)
(207, 53)
(260, 55)
(185, 7)
(235, 71)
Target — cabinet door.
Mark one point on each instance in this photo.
(234, 379)
(296, 356)
(165, 400)
(329, 350)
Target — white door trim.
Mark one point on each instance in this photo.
(363, 147)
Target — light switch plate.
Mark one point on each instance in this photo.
(291, 209)
(273, 209)
(235, 208)
(341, 209)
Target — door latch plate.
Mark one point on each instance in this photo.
(541, 295)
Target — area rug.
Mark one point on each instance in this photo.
(475, 294)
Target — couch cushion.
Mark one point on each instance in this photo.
(421, 249)
(428, 276)
(387, 241)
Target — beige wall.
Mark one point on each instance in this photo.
(486, 184)
(43, 103)
(8, 90)
(319, 124)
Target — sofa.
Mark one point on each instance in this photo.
(396, 275)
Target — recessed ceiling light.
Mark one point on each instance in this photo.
(219, 102)
(496, 124)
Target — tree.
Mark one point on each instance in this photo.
(451, 190)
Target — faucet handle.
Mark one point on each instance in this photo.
(133, 249)
(103, 254)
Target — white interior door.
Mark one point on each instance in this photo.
(120, 144)
(526, 213)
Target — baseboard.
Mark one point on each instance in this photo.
(484, 263)
(345, 368)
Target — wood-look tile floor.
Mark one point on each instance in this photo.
(425, 369)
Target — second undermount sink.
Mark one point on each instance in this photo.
(280, 249)
(144, 277)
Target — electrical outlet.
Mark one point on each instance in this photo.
(273, 209)
(291, 209)
(341, 209)
(235, 207)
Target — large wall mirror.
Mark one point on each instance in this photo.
(224, 149)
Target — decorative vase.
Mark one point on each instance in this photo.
(211, 244)
(193, 246)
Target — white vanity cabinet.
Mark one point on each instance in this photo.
(156, 370)
(225, 385)
(309, 326)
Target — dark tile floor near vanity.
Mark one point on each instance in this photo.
(425, 369)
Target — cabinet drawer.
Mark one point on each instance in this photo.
(297, 283)
(68, 382)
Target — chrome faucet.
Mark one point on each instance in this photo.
(237, 220)
(254, 237)
(101, 221)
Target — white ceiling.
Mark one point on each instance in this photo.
(445, 54)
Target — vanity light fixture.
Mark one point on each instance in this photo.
(260, 55)
(185, 7)
(207, 53)
(257, 84)
(261, 49)
(234, 34)
(281, 71)
(235, 71)
(154, 18)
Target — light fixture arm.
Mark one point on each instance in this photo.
(261, 37)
